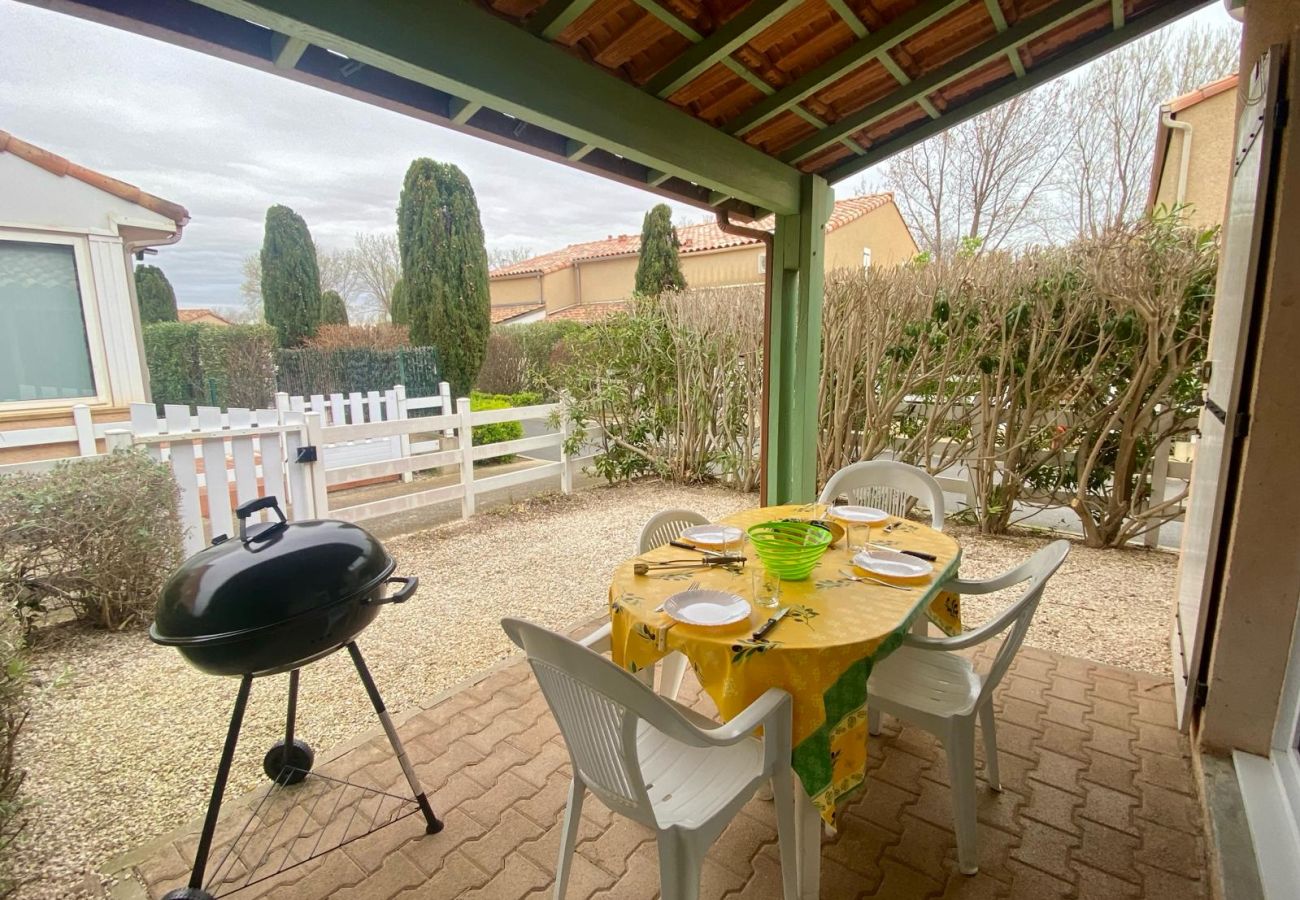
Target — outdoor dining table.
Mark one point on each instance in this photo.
(821, 652)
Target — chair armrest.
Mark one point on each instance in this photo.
(955, 642)
(767, 708)
(598, 641)
(1005, 580)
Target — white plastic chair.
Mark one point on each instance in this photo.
(659, 763)
(942, 692)
(664, 526)
(888, 485)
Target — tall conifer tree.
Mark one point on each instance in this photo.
(659, 268)
(290, 277)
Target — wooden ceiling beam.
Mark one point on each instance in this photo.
(555, 16)
(853, 56)
(1026, 29)
(750, 22)
(1000, 23)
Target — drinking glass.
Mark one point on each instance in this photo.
(766, 586)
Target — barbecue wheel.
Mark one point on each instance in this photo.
(298, 756)
(188, 893)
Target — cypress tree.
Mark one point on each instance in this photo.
(155, 295)
(290, 277)
(333, 311)
(658, 269)
(444, 268)
(399, 311)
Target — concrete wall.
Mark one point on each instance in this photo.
(1258, 604)
(1209, 167)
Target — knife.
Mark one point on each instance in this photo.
(919, 554)
(770, 624)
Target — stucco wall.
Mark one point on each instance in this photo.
(1209, 166)
(1261, 584)
(882, 230)
(524, 289)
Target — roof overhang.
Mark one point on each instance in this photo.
(693, 110)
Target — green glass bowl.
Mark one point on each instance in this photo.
(789, 550)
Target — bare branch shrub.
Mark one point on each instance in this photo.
(14, 707)
(381, 336)
(96, 536)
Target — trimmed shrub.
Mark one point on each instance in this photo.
(14, 708)
(211, 365)
(497, 431)
(333, 311)
(372, 337)
(290, 277)
(526, 357)
(155, 295)
(658, 267)
(95, 536)
(311, 371)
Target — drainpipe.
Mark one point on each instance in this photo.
(1186, 128)
(765, 237)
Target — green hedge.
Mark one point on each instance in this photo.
(308, 371)
(194, 364)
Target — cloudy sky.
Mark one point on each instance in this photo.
(227, 141)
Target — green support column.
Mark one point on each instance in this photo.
(798, 267)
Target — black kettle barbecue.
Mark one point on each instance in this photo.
(280, 596)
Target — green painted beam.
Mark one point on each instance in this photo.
(844, 62)
(655, 177)
(461, 111)
(576, 150)
(1026, 29)
(794, 363)
(751, 21)
(1000, 23)
(1117, 14)
(469, 53)
(904, 79)
(669, 18)
(555, 16)
(849, 16)
(1157, 17)
(286, 51)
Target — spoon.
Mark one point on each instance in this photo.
(864, 578)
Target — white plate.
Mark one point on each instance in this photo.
(712, 535)
(704, 607)
(892, 564)
(858, 515)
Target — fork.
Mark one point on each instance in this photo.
(865, 578)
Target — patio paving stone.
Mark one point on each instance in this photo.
(1099, 801)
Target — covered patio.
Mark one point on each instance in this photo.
(1099, 801)
(748, 108)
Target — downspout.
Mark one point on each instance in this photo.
(1186, 155)
(764, 237)
(130, 248)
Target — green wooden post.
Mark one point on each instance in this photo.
(798, 269)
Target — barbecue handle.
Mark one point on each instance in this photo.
(409, 584)
(252, 506)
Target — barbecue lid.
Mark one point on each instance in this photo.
(269, 574)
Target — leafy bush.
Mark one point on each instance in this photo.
(370, 337)
(194, 364)
(526, 357)
(333, 311)
(97, 536)
(314, 371)
(13, 715)
(154, 294)
(498, 431)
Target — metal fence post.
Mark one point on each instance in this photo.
(466, 440)
(320, 503)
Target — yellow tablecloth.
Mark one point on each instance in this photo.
(821, 652)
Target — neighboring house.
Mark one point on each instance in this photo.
(587, 281)
(69, 324)
(1193, 158)
(200, 316)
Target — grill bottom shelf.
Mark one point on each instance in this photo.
(301, 816)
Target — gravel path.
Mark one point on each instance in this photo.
(124, 740)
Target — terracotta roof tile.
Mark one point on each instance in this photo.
(57, 165)
(511, 310)
(589, 312)
(198, 314)
(1204, 92)
(694, 239)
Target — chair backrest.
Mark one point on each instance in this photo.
(599, 707)
(1036, 571)
(888, 485)
(667, 526)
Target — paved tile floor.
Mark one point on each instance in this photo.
(1099, 802)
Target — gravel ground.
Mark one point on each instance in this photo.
(124, 739)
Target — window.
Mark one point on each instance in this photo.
(762, 261)
(44, 352)
(866, 257)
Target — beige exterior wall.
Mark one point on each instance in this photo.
(612, 278)
(1261, 586)
(1209, 167)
